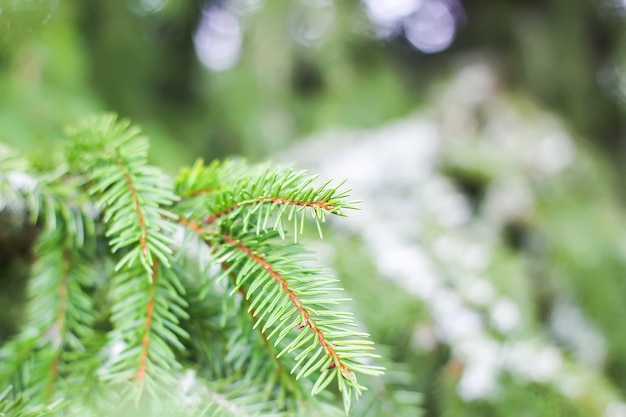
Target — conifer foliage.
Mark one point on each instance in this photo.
(181, 297)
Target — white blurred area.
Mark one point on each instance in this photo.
(430, 26)
(424, 235)
(310, 21)
(219, 37)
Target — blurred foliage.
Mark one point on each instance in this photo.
(497, 245)
(137, 57)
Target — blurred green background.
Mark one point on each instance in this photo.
(486, 140)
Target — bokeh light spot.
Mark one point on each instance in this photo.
(432, 28)
(218, 39)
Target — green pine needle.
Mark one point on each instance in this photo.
(140, 280)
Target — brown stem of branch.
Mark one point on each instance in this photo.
(145, 339)
(295, 301)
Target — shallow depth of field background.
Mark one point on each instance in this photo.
(486, 141)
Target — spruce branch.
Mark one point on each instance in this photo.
(232, 374)
(243, 352)
(135, 195)
(262, 197)
(293, 304)
(282, 295)
(265, 301)
(20, 406)
(272, 375)
(60, 278)
(146, 317)
(43, 198)
(201, 179)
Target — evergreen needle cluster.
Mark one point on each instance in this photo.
(180, 297)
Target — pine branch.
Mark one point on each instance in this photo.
(262, 198)
(57, 286)
(244, 350)
(239, 398)
(293, 296)
(108, 192)
(298, 299)
(232, 371)
(250, 353)
(44, 198)
(16, 185)
(288, 297)
(201, 179)
(20, 406)
(147, 355)
(134, 195)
